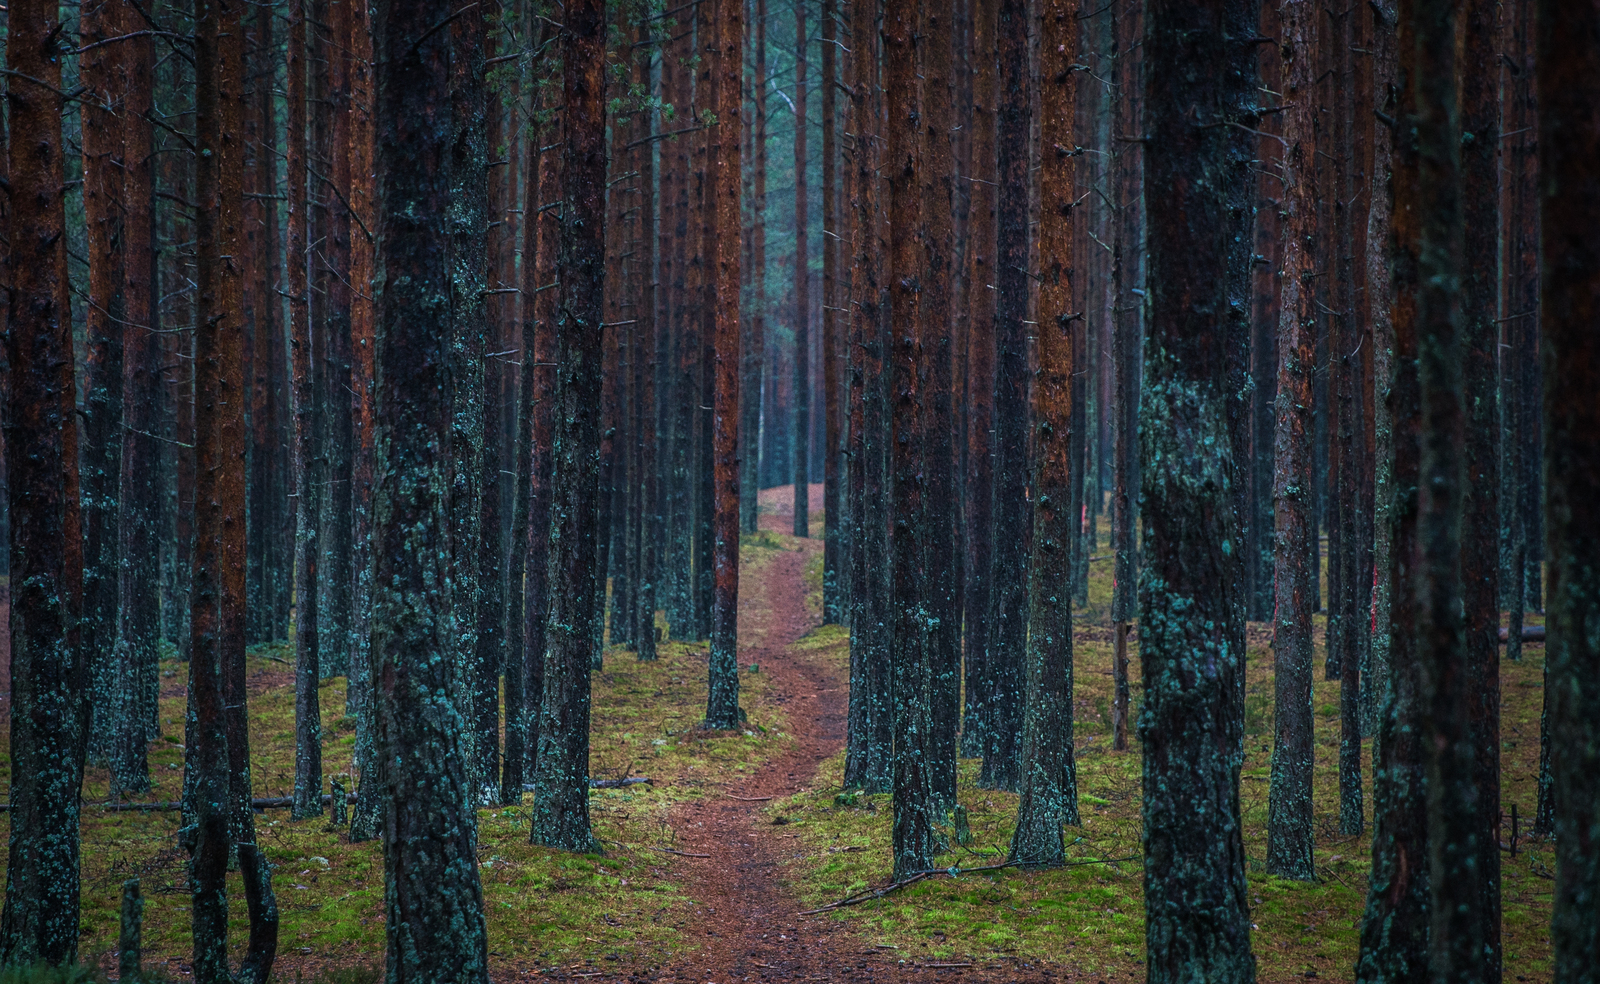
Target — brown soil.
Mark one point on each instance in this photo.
(749, 927)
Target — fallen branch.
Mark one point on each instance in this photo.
(1530, 633)
(529, 787)
(259, 803)
(749, 799)
(681, 854)
(952, 871)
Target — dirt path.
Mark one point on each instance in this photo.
(749, 928)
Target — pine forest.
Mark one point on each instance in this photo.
(718, 491)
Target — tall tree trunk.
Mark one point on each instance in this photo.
(868, 756)
(835, 545)
(561, 773)
(309, 474)
(104, 164)
(468, 221)
(1394, 929)
(1480, 502)
(539, 378)
(1569, 142)
(219, 745)
(755, 328)
(1128, 301)
(801, 448)
(332, 247)
(1049, 778)
(941, 498)
(363, 380)
(1012, 517)
(646, 349)
(722, 698)
(1456, 938)
(1190, 724)
(981, 274)
(1291, 834)
(49, 673)
(433, 899)
(908, 636)
(139, 497)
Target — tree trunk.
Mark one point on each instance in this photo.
(363, 381)
(468, 221)
(1394, 929)
(908, 636)
(1190, 724)
(981, 267)
(722, 698)
(1012, 517)
(1049, 777)
(1290, 831)
(433, 899)
(755, 346)
(1569, 142)
(801, 447)
(835, 463)
(104, 165)
(1480, 502)
(49, 674)
(646, 349)
(136, 663)
(218, 751)
(1128, 301)
(941, 498)
(309, 474)
(561, 773)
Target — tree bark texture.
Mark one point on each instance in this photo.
(1049, 778)
(433, 900)
(49, 673)
(980, 341)
(941, 495)
(908, 635)
(1012, 517)
(722, 697)
(1394, 929)
(1197, 915)
(1569, 141)
(1290, 831)
(561, 772)
(835, 547)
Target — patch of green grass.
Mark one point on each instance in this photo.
(542, 906)
(1090, 918)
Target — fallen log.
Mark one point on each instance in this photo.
(1530, 633)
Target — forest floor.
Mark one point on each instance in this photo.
(708, 869)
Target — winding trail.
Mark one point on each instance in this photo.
(748, 926)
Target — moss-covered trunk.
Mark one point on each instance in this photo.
(433, 899)
(1569, 147)
(48, 669)
(1394, 929)
(309, 474)
(942, 498)
(143, 402)
(835, 551)
(1290, 834)
(1480, 505)
(561, 773)
(908, 616)
(868, 751)
(1049, 775)
(979, 499)
(1127, 345)
(722, 698)
(1197, 917)
(1012, 516)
